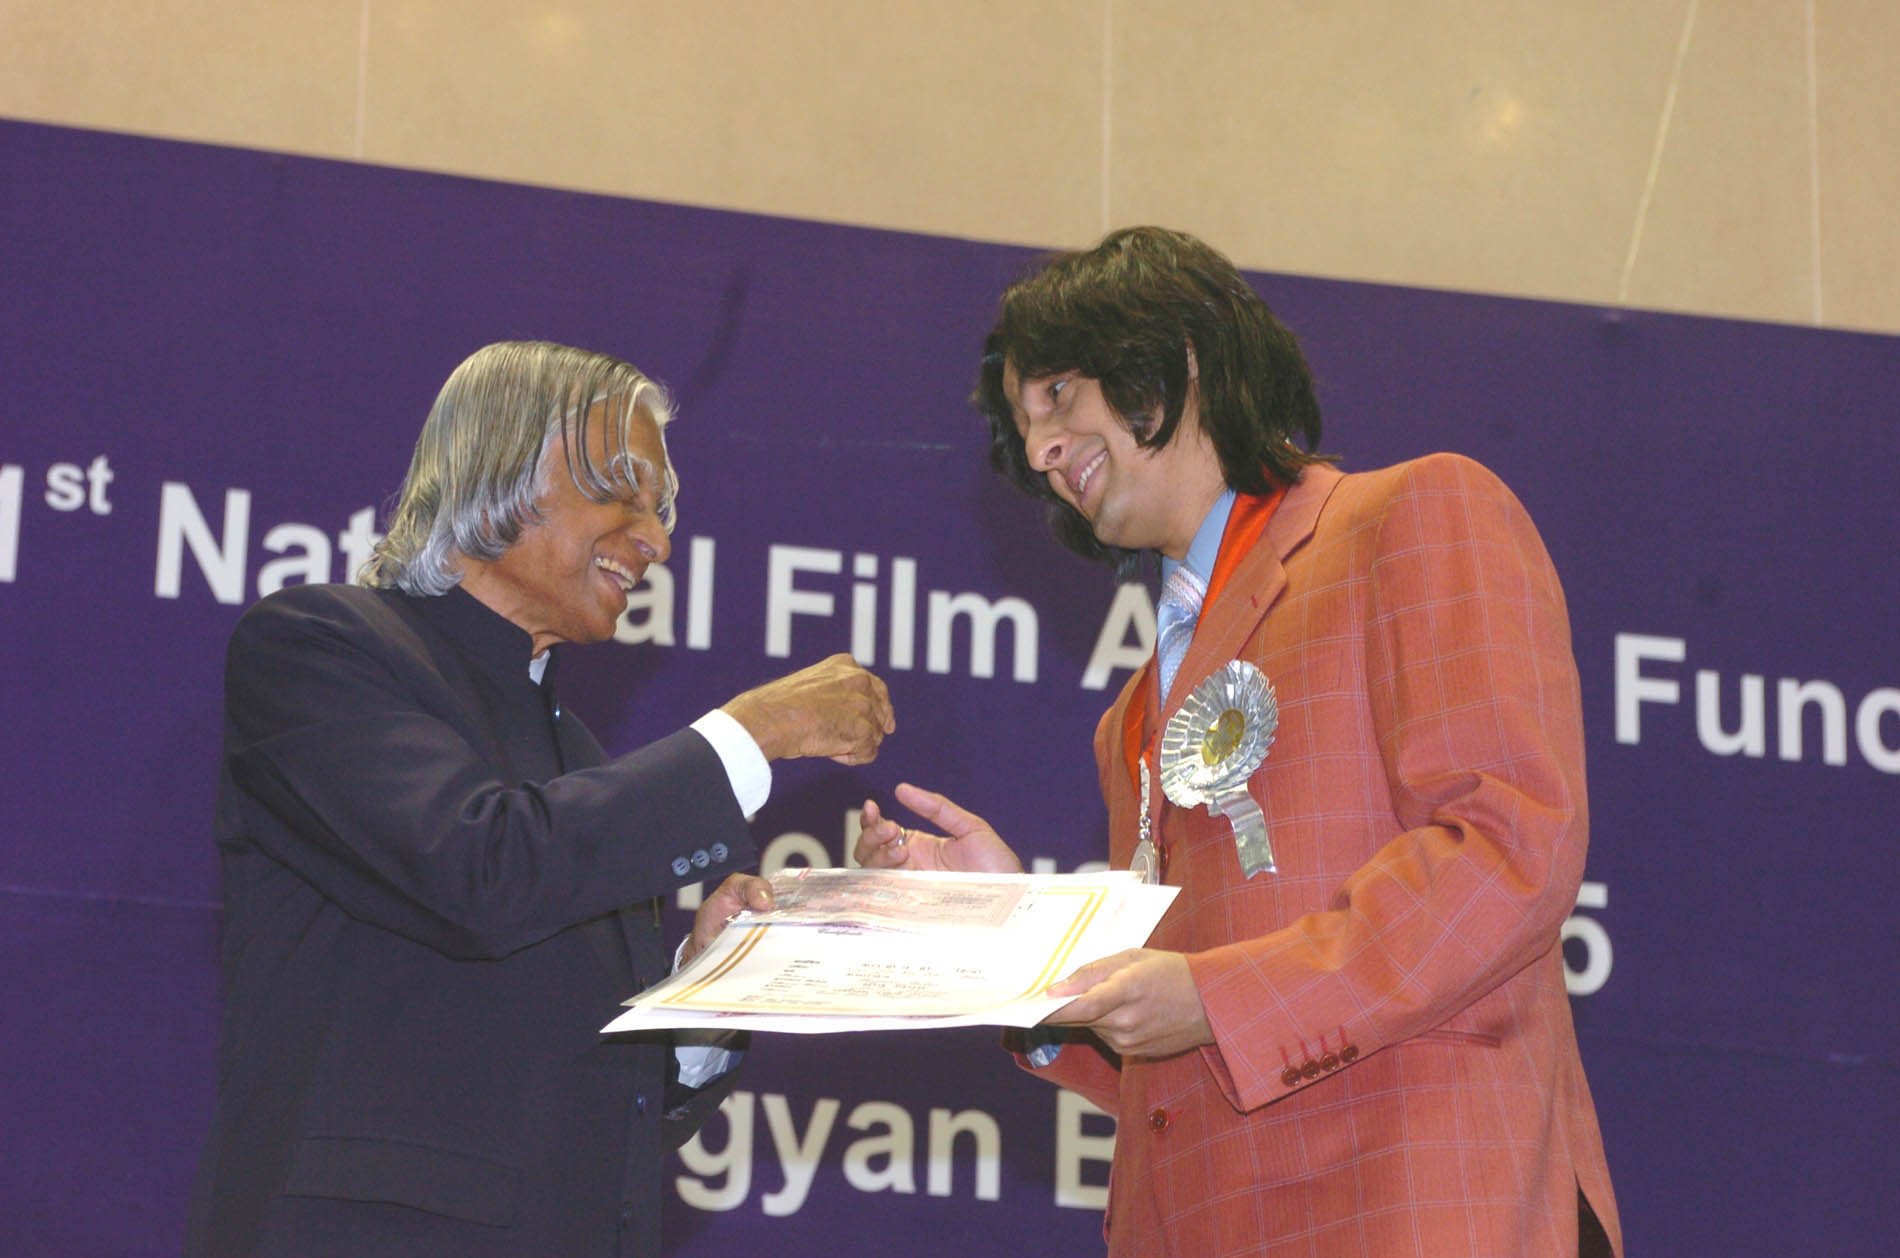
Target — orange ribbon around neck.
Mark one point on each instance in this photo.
(1246, 523)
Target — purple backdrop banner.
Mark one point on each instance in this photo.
(213, 364)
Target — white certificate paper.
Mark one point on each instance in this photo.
(877, 949)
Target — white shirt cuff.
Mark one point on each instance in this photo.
(700, 1064)
(703, 1055)
(746, 766)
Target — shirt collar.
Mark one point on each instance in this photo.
(1204, 550)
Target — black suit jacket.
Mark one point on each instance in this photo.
(427, 867)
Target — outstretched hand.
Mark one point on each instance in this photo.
(968, 844)
(834, 708)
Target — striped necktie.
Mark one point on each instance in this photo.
(1179, 608)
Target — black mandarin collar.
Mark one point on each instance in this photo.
(498, 645)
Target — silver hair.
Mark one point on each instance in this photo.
(482, 459)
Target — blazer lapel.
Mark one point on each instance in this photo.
(1228, 621)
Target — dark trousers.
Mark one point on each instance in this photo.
(1592, 1240)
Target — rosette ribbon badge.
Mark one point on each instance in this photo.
(1213, 744)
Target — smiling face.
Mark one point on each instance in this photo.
(1132, 497)
(567, 577)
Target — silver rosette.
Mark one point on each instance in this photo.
(1213, 744)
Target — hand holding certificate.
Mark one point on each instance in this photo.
(877, 949)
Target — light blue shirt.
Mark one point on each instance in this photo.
(1204, 550)
(1039, 1044)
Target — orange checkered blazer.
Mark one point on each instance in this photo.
(1394, 1070)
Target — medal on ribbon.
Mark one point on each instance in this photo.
(1146, 861)
(1213, 744)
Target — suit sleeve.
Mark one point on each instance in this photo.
(1084, 1066)
(1473, 697)
(362, 780)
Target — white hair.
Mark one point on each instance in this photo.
(483, 457)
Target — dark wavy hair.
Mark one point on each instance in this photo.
(1126, 313)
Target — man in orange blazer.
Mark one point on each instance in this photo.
(1365, 773)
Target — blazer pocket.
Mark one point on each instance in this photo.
(1470, 1039)
(398, 1172)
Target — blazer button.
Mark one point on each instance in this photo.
(1330, 1062)
(1349, 1054)
(1157, 1120)
(1290, 1076)
(681, 866)
(1309, 1069)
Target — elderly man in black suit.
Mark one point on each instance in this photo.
(437, 885)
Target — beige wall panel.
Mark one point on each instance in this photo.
(262, 73)
(964, 117)
(1729, 229)
(1859, 163)
(1488, 145)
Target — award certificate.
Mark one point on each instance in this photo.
(875, 949)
